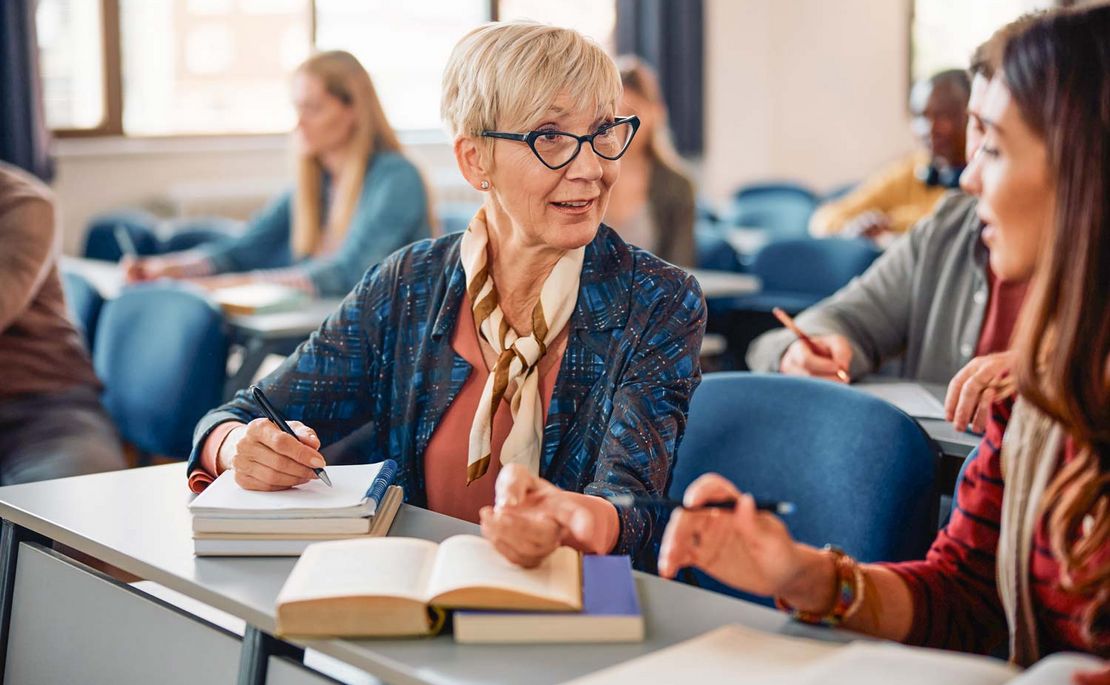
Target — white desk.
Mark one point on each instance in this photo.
(259, 334)
(137, 520)
(716, 284)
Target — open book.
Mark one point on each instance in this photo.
(398, 586)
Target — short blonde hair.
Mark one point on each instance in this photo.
(508, 74)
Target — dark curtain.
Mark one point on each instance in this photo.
(24, 140)
(669, 35)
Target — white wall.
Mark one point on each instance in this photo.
(812, 90)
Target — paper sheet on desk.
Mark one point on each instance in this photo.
(740, 655)
(909, 397)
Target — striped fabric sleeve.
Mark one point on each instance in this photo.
(955, 594)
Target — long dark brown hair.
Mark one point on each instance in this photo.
(1058, 73)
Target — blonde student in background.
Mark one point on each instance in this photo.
(1026, 555)
(357, 197)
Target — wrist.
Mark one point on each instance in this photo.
(812, 587)
(847, 592)
(225, 453)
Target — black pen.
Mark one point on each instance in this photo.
(272, 414)
(780, 508)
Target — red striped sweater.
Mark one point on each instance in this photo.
(955, 596)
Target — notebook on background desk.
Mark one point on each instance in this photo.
(911, 398)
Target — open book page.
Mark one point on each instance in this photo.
(1059, 668)
(470, 573)
(909, 397)
(378, 567)
(314, 499)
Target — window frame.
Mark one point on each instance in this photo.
(112, 85)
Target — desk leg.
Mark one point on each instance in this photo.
(11, 536)
(258, 647)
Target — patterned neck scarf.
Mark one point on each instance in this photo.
(517, 356)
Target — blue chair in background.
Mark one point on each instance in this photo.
(860, 472)
(713, 251)
(799, 273)
(100, 240)
(782, 209)
(84, 302)
(947, 503)
(161, 351)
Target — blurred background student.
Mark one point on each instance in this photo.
(357, 198)
(905, 192)
(51, 421)
(653, 205)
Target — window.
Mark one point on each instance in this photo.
(223, 66)
(210, 66)
(403, 45)
(946, 32)
(71, 61)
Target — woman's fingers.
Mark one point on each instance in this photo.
(513, 485)
(521, 539)
(709, 487)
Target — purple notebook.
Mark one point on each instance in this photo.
(610, 612)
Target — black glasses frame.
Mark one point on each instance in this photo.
(531, 137)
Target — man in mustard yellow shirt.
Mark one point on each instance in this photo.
(905, 192)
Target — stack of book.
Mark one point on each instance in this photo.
(259, 298)
(231, 521)
(405, 586)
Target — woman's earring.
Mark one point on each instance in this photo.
(485, 185)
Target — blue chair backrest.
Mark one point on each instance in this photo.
(783, 209)
(101, 243)
(84, 302)
(713, 251)
(812, 266)
(161, 351)
(946, 514)
(860, 472)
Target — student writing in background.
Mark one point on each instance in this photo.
(51, 421)
(1026, 556)
(653, 205)
(932, 299)
(357, 198)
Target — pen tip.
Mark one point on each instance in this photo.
(324, 477)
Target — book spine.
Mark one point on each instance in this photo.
(383, 481)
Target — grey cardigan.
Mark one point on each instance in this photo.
(924, 299)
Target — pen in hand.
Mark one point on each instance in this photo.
(813, 346)
(775, 507)
(271, 413)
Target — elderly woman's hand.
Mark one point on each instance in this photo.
(531, 518)
(265, 458)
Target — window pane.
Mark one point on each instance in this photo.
(210, 66)
(404, 46)
(71, 58)
(594, 18)
(946, 32)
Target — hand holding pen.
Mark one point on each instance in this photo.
(273, 415)
(826, 356)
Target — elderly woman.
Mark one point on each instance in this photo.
(536, 341)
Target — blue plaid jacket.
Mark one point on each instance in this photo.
(380, 372)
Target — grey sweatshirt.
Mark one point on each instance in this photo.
(923, 299)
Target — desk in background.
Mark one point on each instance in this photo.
(137, 520)
(259, 334)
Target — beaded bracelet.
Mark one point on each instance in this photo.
(849, 592)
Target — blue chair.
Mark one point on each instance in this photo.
(100, 239)
(161, 351)
(799, 273)
(84, 302)
(783, 209)
(713, 251)
(860, 471)
(946, 507)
